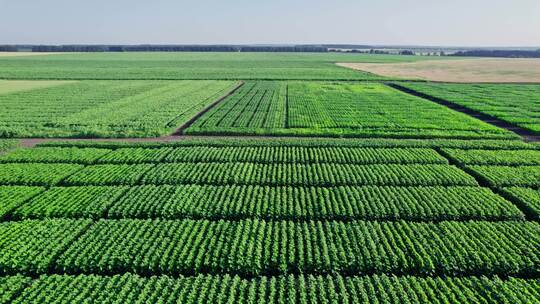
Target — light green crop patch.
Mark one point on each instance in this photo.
(12, 86)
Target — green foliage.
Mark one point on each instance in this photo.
(337, 109)
(183, 65)
(106, 108)
(335, 155)
(310, 203)
(70, 202)
(304, 174)
(54, 155)
(136, 155)
(11, 286)
(7, 144)
(267, 155)
(31, 246)
(35, 174)
(514, 103)
(382, 289)
(256, 247)
(527, 199)
(13, 196)
(494, 157)
(306, 142)
(108, 175)
(503, 176)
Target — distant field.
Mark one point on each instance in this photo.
(20, 54)
(516, 104)
(102, 108)
(191, 66)
(336, 109)
(464, 70)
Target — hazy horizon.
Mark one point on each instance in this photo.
(460, 23)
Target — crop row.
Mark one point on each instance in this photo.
(255, 105)
(517, 104)
(505, 176)
(526, 198)
(342, 155)
(12, 197)
(256, 247)
(294, 203)
(345, 109)
(35, 174)
(485, 144)
(494, 157)
(271, 174)
(280, 289)
(106, 108)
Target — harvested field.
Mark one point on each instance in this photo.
(502, 70)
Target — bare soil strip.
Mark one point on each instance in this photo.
(477, 70)
(525, 134)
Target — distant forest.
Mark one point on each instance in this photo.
(161, 48)
(500, 53)
(320, 48)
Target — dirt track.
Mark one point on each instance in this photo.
(496, 70)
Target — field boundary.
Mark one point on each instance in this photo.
(187, 124)
(492, 120)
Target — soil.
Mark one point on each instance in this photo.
(477, 70)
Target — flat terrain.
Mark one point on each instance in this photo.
(463, 70)
(103, 108)
(257, 214)
(294, 181)
(170, 66)
(513, 103)
(336, 109)
(21, 54)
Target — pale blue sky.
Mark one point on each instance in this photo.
(419, 22)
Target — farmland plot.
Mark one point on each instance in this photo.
(339, 110)
(513, 103)
(106, 108)
(247, 220)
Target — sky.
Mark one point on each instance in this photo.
(380, 22)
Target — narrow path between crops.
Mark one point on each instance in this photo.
(187, 124)
(525, 134)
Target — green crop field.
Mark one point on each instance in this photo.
(261, 178)
(191, 66)
(336, 109)
(104, 108)
(516, 104)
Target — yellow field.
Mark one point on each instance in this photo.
(465, 70)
